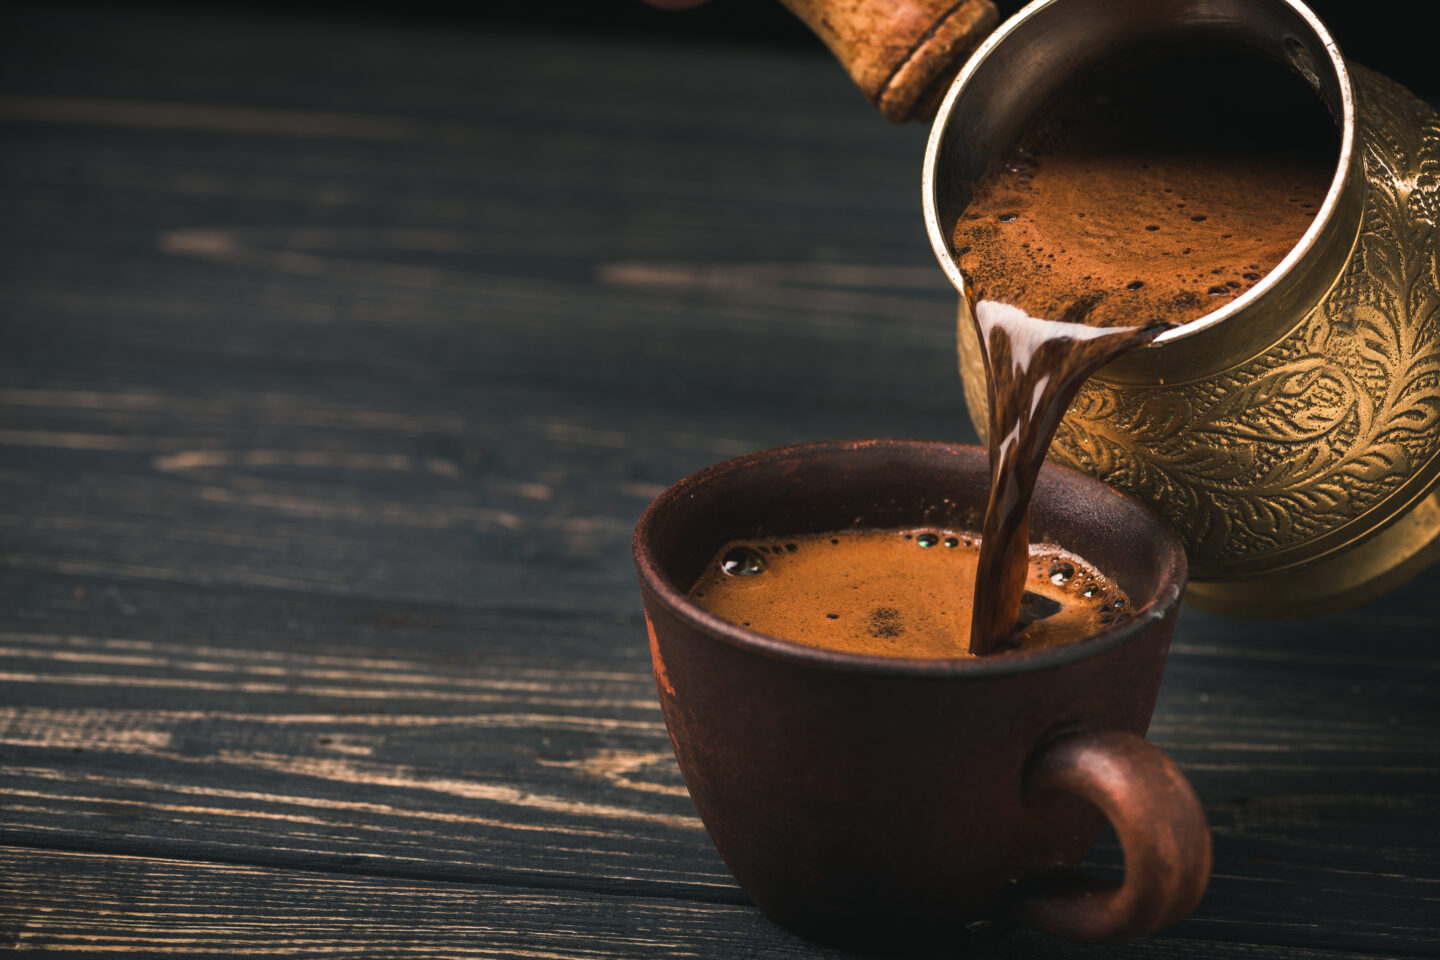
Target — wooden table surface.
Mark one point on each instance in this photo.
(337, 362)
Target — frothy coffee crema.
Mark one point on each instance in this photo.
(1161, 193)
(897, 593)
(1123, 211)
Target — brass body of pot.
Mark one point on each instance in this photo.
(1292, 438)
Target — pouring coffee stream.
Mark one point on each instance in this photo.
(1033, 367)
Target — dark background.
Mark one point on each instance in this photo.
(1384, 34)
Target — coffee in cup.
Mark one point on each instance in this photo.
(897, 592)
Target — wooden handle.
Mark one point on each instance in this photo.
(901, 53)
(1162, 830)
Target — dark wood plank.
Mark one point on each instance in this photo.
(123, 905)
(337, 364)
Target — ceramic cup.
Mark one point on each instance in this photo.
(884, 803)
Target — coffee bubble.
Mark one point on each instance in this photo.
(928, 539)
(742, 562)
(1061, 573)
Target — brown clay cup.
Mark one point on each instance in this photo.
(894, 804)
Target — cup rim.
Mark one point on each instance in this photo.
(653, 580)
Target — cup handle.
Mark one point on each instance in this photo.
(1162, 829)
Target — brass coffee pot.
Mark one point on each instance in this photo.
(1291, 437)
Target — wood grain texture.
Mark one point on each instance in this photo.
(92, 903)
(334, 372)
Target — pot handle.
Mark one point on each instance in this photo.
(1162, 829)
(902, 54)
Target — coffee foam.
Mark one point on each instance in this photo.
(1160, 193)
(896, 593)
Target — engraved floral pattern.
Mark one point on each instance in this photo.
(1324, 425)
